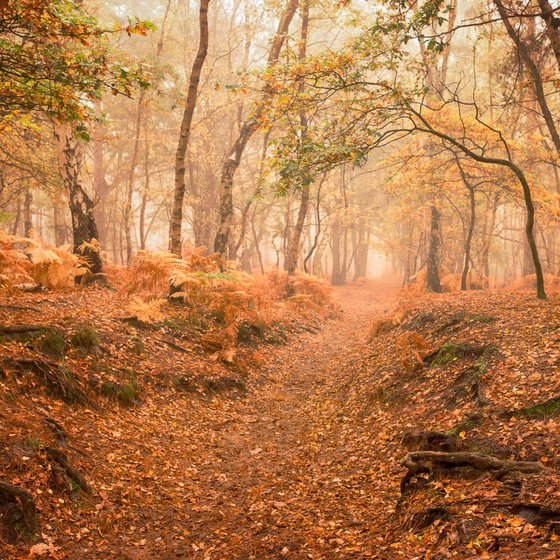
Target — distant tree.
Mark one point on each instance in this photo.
(185, 132)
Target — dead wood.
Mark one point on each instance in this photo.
(26, 504)
(29, 288)
(60, 458)
(418, 462)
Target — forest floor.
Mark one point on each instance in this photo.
(305, 463)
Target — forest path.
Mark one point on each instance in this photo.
(280, 472)
(270, 488)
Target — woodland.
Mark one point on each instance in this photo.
(279, 279)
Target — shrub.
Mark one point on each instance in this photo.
(146, 312)
(25, 260)
(85, 338)
(51, 342)
(128, 393)
(226, 300)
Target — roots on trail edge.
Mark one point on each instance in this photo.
(434, 433)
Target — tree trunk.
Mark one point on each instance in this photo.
(249, 127)
(362, 251)
(84, 227)
(28, 214)
(58, 223)
(317, 225)
(17, 218)
(128, 217)
(337, 276)
(176, 226)
(294, 239)
(434, 251)
(551, 22)
(142, 230)
(472, 221)
(100, 186)
(468, 241)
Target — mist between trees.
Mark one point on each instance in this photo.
(343, 139)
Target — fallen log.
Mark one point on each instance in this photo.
(418, 462)
(26, 504)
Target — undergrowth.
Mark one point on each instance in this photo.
(228, 307)
(24, 260)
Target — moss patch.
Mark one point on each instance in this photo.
(51, 342)
(454, 351)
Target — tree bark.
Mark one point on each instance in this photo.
(294, 238)
(434, 251)
(28, 213)
(84, 227)
(128, 217)
(58, 222)
(247, 130)
(361, 253)
(175, 242)
(337, 277)
(100, 186)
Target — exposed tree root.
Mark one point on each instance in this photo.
(174, 346)
(467, 384)
(56, 377)
(22, 329)
(424, 518)
(58, 431)
(62, 461)
(19, 307)
(29, 288)
(418, 462)
(441, 441)
(537, 514)
(26, 504)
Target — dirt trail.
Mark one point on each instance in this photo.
(268, 487)
(263, 476)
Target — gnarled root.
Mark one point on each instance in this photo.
(419, 462)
